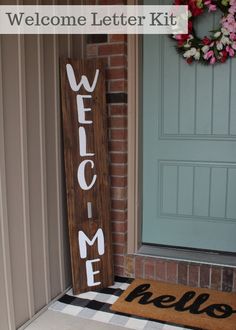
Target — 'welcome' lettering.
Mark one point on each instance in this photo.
(83, 239)
(83, 82)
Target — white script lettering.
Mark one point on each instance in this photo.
(83, 239)
(91, 273)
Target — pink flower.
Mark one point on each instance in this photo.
(233, 45)
(212, 8)
(209, 54)
(229, 23)
(230, 51)
(213, 60)
(232, 8)
(232, 3)
(232, 36)
(210, 5)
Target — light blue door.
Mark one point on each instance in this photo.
(189, 150)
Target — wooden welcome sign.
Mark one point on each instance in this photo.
(86, 167)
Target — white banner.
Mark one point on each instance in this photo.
(93, 19)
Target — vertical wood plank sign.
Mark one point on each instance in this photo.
(86, 167)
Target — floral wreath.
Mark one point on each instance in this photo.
(217, 48)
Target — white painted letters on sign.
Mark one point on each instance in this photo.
(83, 239)
(91, 273)
(81, 175)
(84, 80)
(81, 109)
(81, 119)
(83, 143)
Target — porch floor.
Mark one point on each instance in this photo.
(51, 320)
(91, 311)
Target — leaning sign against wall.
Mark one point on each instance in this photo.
(86, 166)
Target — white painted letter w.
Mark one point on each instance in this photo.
(83, 82)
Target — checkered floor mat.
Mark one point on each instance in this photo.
(95, 305)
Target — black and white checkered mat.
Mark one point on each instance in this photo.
(95, 305)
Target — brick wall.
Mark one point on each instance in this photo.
(113, 50)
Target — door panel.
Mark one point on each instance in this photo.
(189, 149)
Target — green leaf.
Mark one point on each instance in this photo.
(225, 2)
(199, 4)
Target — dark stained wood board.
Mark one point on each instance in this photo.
(99, 194)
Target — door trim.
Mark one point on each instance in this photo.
(134, 221)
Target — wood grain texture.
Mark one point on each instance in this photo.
(99, 194)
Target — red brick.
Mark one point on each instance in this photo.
(234, 287)
(118, 122)
(227, 280)
(182, 273)
(118, 60)
(118, 145)
(119, 193)
(118, 158)
(149, 269)
(116, 73)
(119, 227)
(205, 276)
(118, 110)
(118, 170)
(161, 270)
(104, 61)
(119, 215)
(194, 275)
(172, 272)
(119, 205)
(119, 260)
(118, 38)
(117, 181)
(119, 238)
(118, 271)
(119, 249)
(109, 49)
(139, 267)
(216, 278)
(118, 86)
(118, 134)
